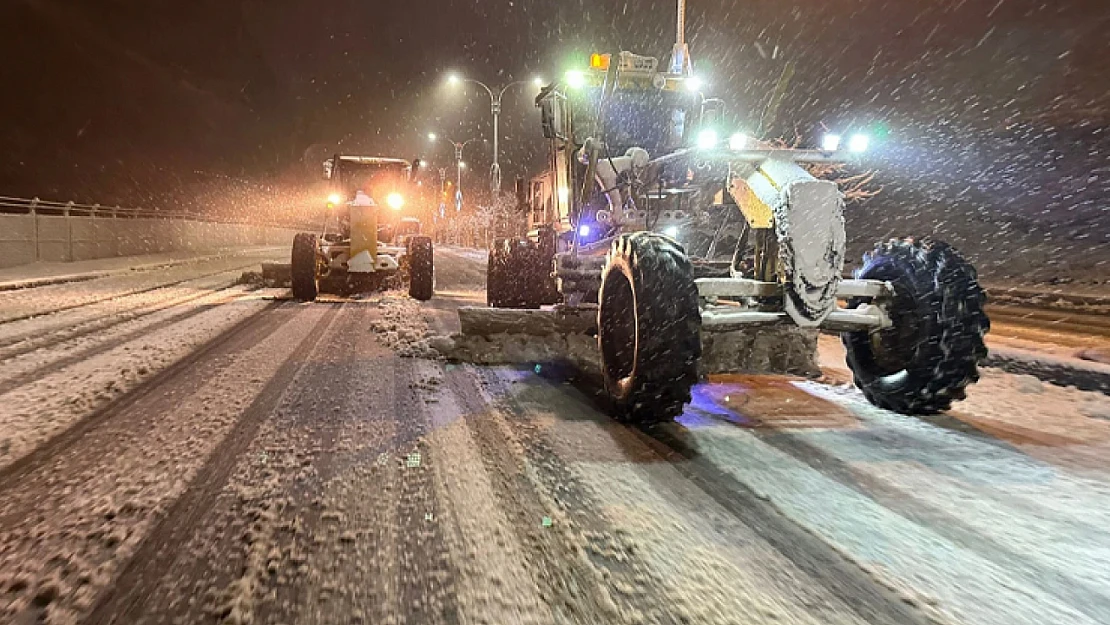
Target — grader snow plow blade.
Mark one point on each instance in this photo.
(277, 274)
(493, 336)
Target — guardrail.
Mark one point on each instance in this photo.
(41, 230)
(36, 206)
(31, 206)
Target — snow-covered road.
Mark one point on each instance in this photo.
(184, 450)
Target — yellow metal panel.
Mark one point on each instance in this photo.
(755, 211)
(364, 230)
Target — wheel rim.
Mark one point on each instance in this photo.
(617, 328)
(893, 347)
(893, 350)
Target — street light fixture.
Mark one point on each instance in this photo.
(495, 97)
(459, 164)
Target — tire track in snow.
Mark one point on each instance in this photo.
(493, 583)
(841, 577)
(1069, 589)
(366, 547)
(334, 522)
(73, 357)
(69, 524)
(43, 455)
(154, 557)
(948, 583)
(574, 590)
(755, 567)
(615, 558)
(43, 310)
(427, 574)
(31, 341)
(251, 541)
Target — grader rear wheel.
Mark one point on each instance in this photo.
(421, 268)
(518, 275)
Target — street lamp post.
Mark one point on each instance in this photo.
(442, 191)
(459, 164)
(495, 97)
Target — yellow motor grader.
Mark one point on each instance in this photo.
(364, 244)
(637, 156)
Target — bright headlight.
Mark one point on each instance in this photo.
(334, 199)
(707, 139)
(859, 143)
(830, 143)
(576, 79)
(395, 201)
(738, 141)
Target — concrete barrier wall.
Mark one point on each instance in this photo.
(30, 238)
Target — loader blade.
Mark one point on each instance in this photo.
(498, 336)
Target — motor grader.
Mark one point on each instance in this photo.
(636, 160)
(364, 244)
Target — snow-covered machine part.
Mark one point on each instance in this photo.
(810, 228)
(609, 173)
(680, 55)
(578, 277)
(363, 213)
(363, 263)
(808, 217)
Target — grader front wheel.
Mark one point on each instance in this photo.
(929, 356)
(648, 327)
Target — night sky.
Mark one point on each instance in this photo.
(132, 99)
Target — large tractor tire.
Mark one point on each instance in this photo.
(530, 273)
(547, 245)
(421, 268)
(648, 327)
(518, 275)
(926, 360)
(303, 269)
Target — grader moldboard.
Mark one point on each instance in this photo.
(371, 245)
(634, 164)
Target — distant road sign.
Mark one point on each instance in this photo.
(458, 200)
